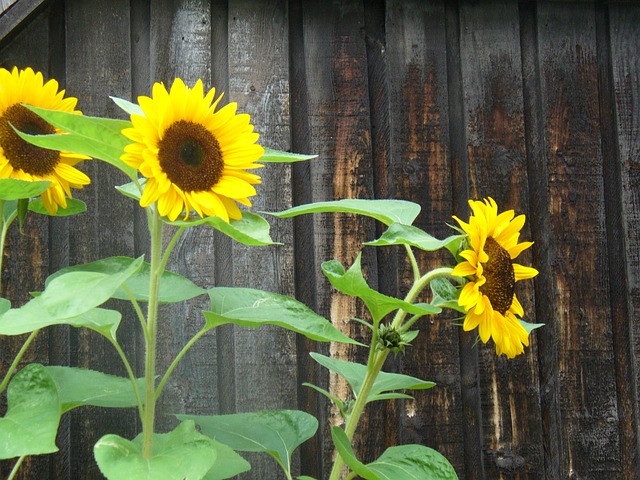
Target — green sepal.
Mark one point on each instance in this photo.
(23, 208)
(445, 294)
(92, 136)
(399, 234)
(353, 283)
(181, 454)
(354, 374)
(530, 327)
(33, 414)
(275, 432)
(174, 288)
(14, 189)
(278, 156)
(74, 206)
(385, 211)
(131, 189)
(252, 308)
(129, 107)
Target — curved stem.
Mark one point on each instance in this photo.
(132, 377)
(176, 360)
(152, 317)
(169, 249)
(15, 468)
(414, 263)
(138, 310)
(16, 360)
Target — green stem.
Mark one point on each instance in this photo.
(138, 310)
(171, 244)
(176, 360)
(3, 234)
(132, 377)
(152, 317)
(17, 359)
(414, 263)
(15, 468)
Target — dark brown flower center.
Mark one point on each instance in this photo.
(22, 155)
(190, 155)
(501, 279)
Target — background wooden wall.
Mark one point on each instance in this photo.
(534, 103)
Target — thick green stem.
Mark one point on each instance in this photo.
(152, 317)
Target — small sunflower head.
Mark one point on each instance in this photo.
(390, 339)
(24, 161)
(194, 157)
(488, 298)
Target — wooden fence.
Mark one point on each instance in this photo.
(536, 104)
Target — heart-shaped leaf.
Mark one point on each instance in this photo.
(353, 283)
(385, 211)
(33, 414)
(79, 386)
(276, 432)
(355, 373)
(252, 308)
(173, 287)
(183, 454)
(399, 234)
(14, 189)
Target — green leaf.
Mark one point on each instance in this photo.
(352, 283)
(275, 432)
(248, 307)
(228, 463)
(127, 106)
(412, 462)
(399, 234)
(5, 305)
(14, 189)
(93, 136)
(305, 477)
(278, 156)
(131, 190)
(251, 229)
(79, 386)
(355, 373)
(530, 327)
(386, 211)
(23, 208)
(74, 206)
(344, 448)
(65, 297)
(173, 287)
(183, 454)
(445, 295)
(33, 414)
(336, 401)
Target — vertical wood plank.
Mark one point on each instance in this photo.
(94, 73)
(421, 172)
(620, 79)
(494, 119)
(572, 162)
(265, 358)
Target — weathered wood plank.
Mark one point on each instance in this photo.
(492, 79)
(622, 184)
(421, 172)
(98, 62)
(572, 161)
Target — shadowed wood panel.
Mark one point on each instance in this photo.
(421, 172)
(494, 117)
(92, 75)
(586, 389)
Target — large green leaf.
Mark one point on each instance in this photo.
(248, 307)
(399, 234)
(276, 432)
(251, 229)
(183, 454)
(355, 373)
(412, 462)
(93, 136)
(173, 287)
(278, 156)
(65, 297)
(33, 414)
(14, 189)
(74, 206)
(80, 386)
(228, 463)
(386, 211)
(353, 283)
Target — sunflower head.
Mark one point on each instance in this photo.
(489, 296)
(194, 157)
(23, 161)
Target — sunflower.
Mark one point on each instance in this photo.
(489, 297)
(23, 161)
(193, 157)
